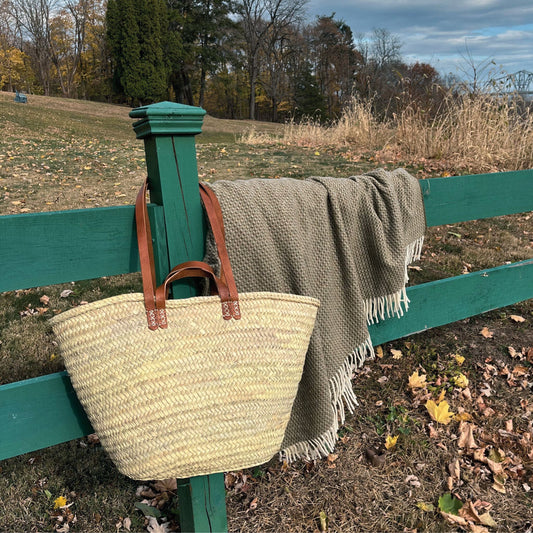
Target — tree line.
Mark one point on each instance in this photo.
(257, 59)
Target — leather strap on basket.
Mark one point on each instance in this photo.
(146, 256)
(214, 214)
(155, 298)
(191, 269)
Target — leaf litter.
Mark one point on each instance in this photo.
(474, 407)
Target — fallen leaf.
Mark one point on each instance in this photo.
(166, 485)
(376, 459)
(433, 433)
(463, 417)
(253, 504)
(466, 437)
(332, 457)
(468, 512)
(512, 352)
(396, 354)
(441, 396)
(486, 333)
(454, 519)
(487, 520)
(390, 442)
(449, 504)
(426, 507)
(60, 502)
(439, 412)
(379, 352)
(416, 381)
(44, 299)
(66, 293)
(126, 524)
(323, 517)
(461, 381)
(455, 470)
(155, 527)
(459, 359)
(498, 484)
(520, 370)
(413, 480)
(474, 528)
(466, 394)
(148, 510)
(517, 318)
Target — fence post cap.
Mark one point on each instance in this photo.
(167, 118)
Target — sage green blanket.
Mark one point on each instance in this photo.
(345, 241)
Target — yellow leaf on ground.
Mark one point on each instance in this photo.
(416, 381)
(463, 417)
(390, 442)
(459, 359)
(461, 381)
(323, 521)
(60, 502)
(517, 318)
(441, 396)
(440, 412)
(379, 352)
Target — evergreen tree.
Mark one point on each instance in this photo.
(308, 100)
(202, 25)
(137, 34)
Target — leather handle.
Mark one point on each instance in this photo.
(191, 269)
(146, 256)
(214, 215)
(155, 297)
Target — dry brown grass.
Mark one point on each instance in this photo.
(478, 133)
(472, 133)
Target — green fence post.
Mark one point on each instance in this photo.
(168, 131)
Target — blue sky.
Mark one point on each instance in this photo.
(439, 32)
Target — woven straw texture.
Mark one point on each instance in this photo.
(206, 395)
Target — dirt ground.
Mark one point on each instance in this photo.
(399, 490)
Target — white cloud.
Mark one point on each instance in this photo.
(438, 32)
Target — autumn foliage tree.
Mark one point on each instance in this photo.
(242, 58)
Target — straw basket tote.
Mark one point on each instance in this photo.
(206, 386)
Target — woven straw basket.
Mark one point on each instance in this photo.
(199, 395)
(204, 395)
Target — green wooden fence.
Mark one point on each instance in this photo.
(85, 244)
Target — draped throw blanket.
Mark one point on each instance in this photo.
(345, 241)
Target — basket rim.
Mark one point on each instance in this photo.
(137, 297)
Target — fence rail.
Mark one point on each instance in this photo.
(40, 412)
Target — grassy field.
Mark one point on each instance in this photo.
(60, 154)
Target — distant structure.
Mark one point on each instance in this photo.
(520, 82)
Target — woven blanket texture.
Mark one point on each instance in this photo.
(345, 241)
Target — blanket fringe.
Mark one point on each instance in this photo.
(341, 390)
